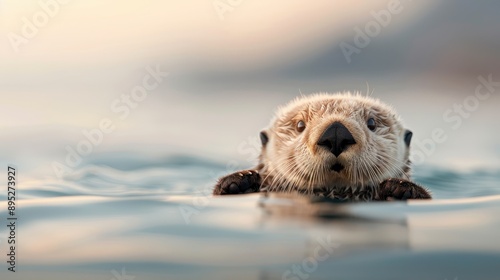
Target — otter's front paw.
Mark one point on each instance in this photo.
(246, 181)
(400, 189)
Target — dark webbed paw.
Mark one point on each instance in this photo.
(246, 181)
(400, 189)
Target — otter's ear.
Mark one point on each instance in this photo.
(408, 135)
(263, 137)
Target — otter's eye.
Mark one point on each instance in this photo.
(300, 126)
(371, 124)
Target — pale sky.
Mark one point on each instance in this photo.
(89, 53)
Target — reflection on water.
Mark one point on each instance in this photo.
(156, 222)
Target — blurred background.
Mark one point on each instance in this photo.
(140, 105)
(65, 64)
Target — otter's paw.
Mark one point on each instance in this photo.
(246, 181)
(400, 189)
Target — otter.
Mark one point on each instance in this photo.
(343, 146)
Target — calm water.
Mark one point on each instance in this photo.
(134, 219)
(121, 216)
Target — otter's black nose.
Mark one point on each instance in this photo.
(336, 138)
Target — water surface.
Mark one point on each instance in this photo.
(113, 219)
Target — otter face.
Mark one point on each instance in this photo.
(334, 141)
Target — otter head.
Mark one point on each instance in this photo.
(334, 141)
